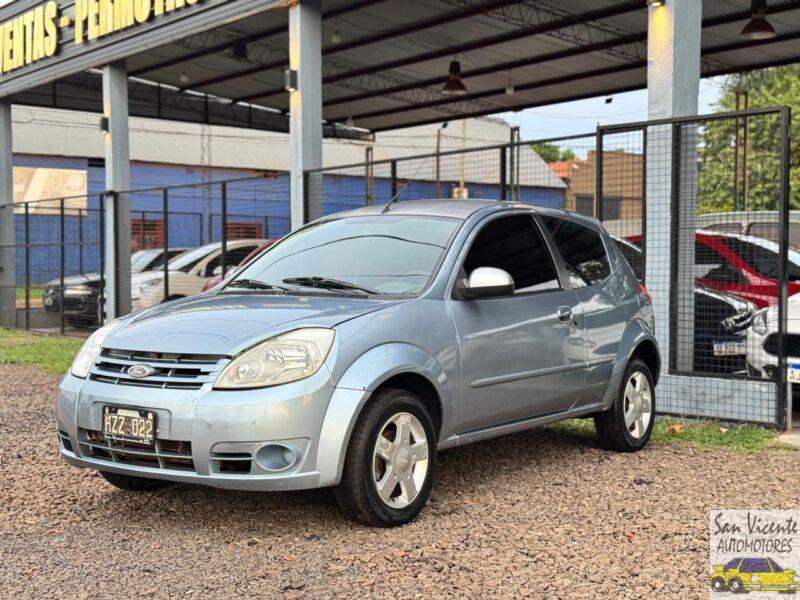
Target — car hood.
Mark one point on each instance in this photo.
(226, 323)
(74, 280)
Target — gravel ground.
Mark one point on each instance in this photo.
(539, 514)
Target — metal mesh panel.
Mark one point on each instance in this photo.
(531, 172)
(58, 247)
(708, 271)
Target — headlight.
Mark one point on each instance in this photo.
(90, 350)
(78, 290)
(289, 357)
(760, 322)
(148, 283)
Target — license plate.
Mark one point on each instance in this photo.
(794, 373)
(130, 425)
(729, 347)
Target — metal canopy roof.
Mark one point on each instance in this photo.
(387, 65)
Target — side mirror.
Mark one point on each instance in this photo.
(485, 282)
(217, 271)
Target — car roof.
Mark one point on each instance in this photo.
(455, 209)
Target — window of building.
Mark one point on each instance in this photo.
(584, 204)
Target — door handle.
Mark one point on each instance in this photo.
(564, 313)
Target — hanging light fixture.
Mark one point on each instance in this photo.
(758, 28)
(349, 123)
(510, 85)
(454, 86)
(184, 76)
(336, 37)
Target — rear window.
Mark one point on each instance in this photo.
(582, 249)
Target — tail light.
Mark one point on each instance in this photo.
(645, 295)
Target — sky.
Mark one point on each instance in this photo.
(582, 116)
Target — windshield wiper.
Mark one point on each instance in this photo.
(329, 283)
(253, 284)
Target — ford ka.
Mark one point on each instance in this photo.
(354, 350)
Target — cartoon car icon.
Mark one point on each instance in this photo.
(742, 575)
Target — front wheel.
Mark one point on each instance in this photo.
(718, 584)
(627, 425)
(389, 468)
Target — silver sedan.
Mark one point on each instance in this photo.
(352, 351)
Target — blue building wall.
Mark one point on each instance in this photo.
(195, 211)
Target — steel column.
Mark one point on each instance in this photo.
(784, 398)
(118, 216)
(165, 238)
(673, 81)
(8, 278)
(305, 105)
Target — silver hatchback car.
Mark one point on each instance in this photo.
(352, 351)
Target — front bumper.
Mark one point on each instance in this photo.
(204, 436)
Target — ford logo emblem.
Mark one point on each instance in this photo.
(140, 371)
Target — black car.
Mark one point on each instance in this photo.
(81, 292)
(720, 322)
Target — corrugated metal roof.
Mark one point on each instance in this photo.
(388, 67)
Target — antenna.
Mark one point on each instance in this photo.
(391, 201)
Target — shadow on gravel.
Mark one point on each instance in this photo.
(474, 467)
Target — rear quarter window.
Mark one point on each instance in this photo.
(582, 249)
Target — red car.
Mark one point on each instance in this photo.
(214, 281)
(743, 265)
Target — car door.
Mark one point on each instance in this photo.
(519, 358)
(607, 302)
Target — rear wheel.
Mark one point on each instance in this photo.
(627, 425)
(130, 483)
(389, 468)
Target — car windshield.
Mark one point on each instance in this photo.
(141, 258)
(380, 254)
(762, 256)
(185, 261)
(775, 566)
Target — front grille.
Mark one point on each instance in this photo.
(231, 462)
(63, 436)
(791, 344)
(171, 371)
(167, 454)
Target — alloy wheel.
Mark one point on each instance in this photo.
(638, 408)
(400, 460)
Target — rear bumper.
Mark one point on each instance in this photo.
(204, 436)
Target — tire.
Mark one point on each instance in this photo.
(130, 483)
(612, 429)
(367, 464)
(736, 586)
(718, 584)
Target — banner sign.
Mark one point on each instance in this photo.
(41, 42)
(34, 34)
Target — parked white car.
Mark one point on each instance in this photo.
(188, 273)
(762, 342)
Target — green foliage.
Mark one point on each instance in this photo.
(740, 438)
(767, 88)
(551, 153)
(49, 352)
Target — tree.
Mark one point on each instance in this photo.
(719, 189)
(551, 153)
